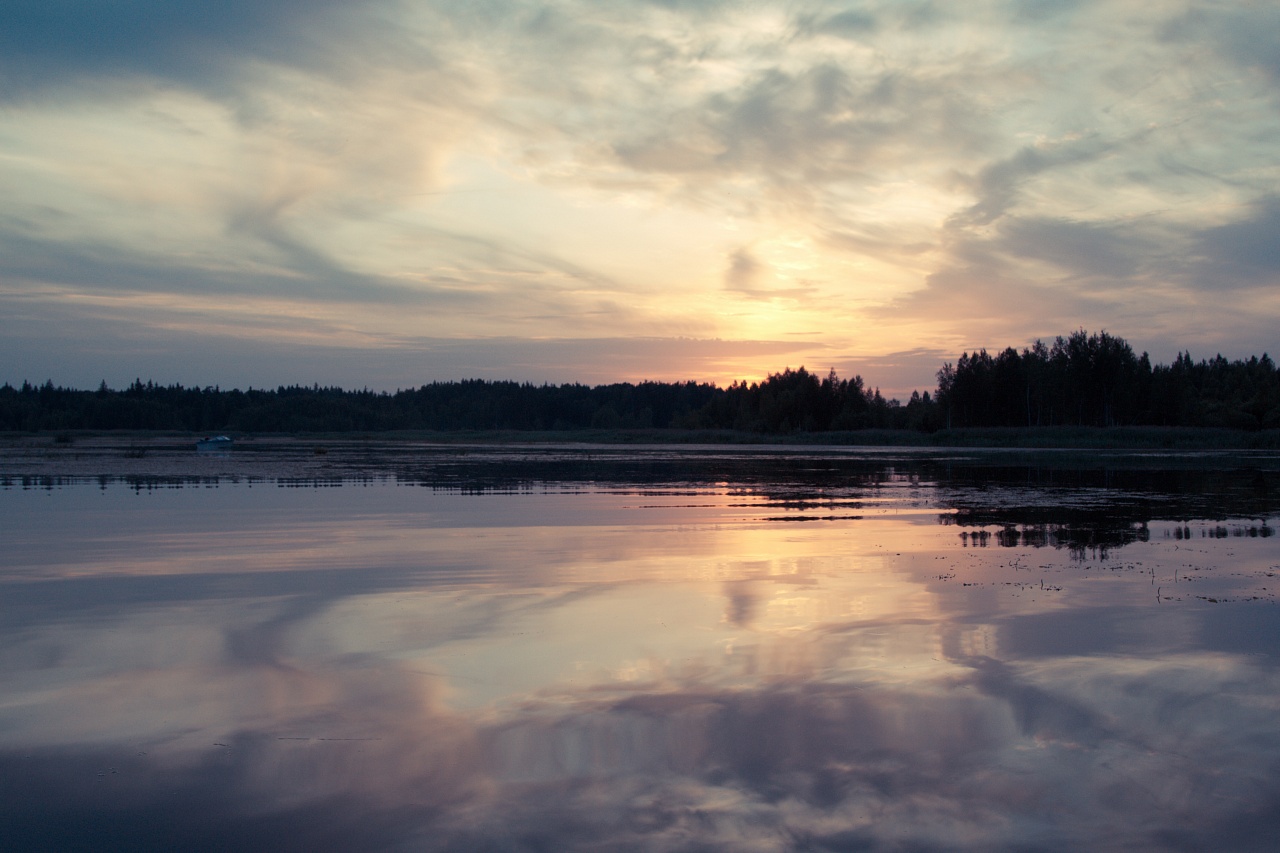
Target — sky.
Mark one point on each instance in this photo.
(382, 194)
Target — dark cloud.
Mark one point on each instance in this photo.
(1037, 11)
(265, 257)
(998, 185)
(1245, 252)
(1081, 248)
(1245, 34)
(742, 272)
(197, 43)
(1121, 275)
(1040, 714)
(850, 24)
(106, 268)
(689, 5)
(802, 129)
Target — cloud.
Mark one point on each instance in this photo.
(1242, 33)
(1245, 252)
(979, 763)
(982, 301)
(1080, 248)
(320, 719)
(198, 43)
(742, 603)
(743, 269)
(849, 24)
(897, 374)
(1036, 11)
(800, 129)
(87, 267)
(78, 343)
(997, 185)
(490, 166)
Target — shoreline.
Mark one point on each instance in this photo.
(42, 459)
(1038, 438)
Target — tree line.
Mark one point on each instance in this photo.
(1097, 380)
(1079, 380)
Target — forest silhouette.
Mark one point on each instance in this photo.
(1081, 380)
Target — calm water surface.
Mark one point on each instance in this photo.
(645, 649)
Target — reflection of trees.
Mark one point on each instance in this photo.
(786, 479)
(1253, 531)
(1081, 536)
(1066, 492)
(1032, 499)
(1091, 510)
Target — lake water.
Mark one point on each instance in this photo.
(437, 648)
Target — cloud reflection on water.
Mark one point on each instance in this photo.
(1000, 757)
(381, 668)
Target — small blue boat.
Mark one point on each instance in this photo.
(214, 442)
